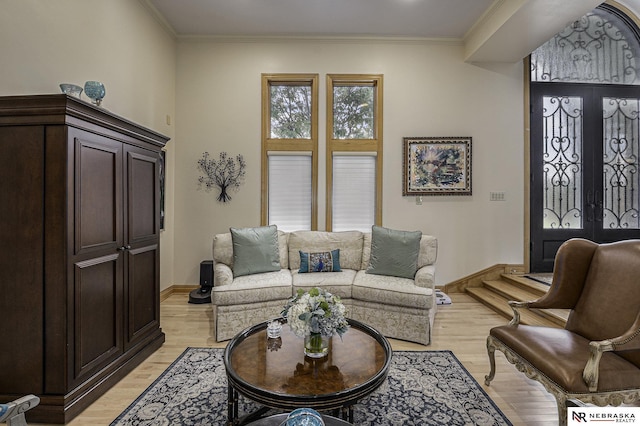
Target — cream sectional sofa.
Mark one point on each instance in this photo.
(401, 308)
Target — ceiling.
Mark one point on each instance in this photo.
(490, 30)
(400, 18)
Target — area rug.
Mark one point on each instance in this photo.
(422, 388)
(541, 278)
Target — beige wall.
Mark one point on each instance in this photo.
(44, 43)
(428, 91)
(211, 92)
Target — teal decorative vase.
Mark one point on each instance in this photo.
(316, 345)
(94, 91)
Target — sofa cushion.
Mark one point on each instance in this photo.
(394, 253)
(255, 250)
(427, 255)
(391, 290)
(349, 243)
(254, 288)
(223, 249)
(338, 283)
(326, 261)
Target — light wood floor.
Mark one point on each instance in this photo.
(461, 327)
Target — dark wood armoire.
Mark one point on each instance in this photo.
(79, 251)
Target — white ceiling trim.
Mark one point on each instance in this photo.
(323, 39)
(159, 17)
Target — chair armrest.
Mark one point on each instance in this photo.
(516, 313)
(13, 412)
(223, 275)
(629, 340)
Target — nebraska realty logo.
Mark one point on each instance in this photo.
(585, 415)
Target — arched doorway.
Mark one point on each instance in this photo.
(585, 135)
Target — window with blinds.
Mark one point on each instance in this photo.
(290, 194)
(289, 151)
(354, 147)
(354, 192)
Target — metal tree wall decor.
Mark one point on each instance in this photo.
(226, 173)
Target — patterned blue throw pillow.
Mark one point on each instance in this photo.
(326, 261)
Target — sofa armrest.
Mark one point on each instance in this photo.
(222, 274)
(426, 277)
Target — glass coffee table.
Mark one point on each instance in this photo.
(276, 374)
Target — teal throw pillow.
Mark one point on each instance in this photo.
(255, 250)
(394, 253)
(326, 261)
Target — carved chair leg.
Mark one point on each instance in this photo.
(491, 351)
(561, 401)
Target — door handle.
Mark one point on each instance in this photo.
(590, 207)
(598, 210)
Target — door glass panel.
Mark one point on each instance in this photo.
(562, 162)
(600, 47)
(620, 163)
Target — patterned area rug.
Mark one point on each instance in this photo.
(422, 388)
(541, 278)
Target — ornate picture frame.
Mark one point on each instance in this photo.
(436, 166)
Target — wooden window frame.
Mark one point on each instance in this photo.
(288, 145)
(354, 145)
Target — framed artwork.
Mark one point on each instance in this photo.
(436, 166)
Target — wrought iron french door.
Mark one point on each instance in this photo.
(584, 166)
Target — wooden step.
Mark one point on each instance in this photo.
(558, 315)
(499, 304)
(529, 289)
(523, 282)
(510, 291)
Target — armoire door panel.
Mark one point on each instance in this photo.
(98, 192)
(21, 265)
(142, 195)
(98, 312)
(143, 299)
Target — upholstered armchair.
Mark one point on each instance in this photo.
(596, 357)
(13, 412)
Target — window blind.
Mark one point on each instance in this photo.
(290, 191)
(354, 191)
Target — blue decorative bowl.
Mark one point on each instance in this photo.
(94, 91)
(304, 417)
(71, 89)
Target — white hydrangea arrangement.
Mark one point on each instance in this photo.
(315, 312)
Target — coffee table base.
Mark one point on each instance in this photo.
(343, 414)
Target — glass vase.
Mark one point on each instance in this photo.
(316, 345)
